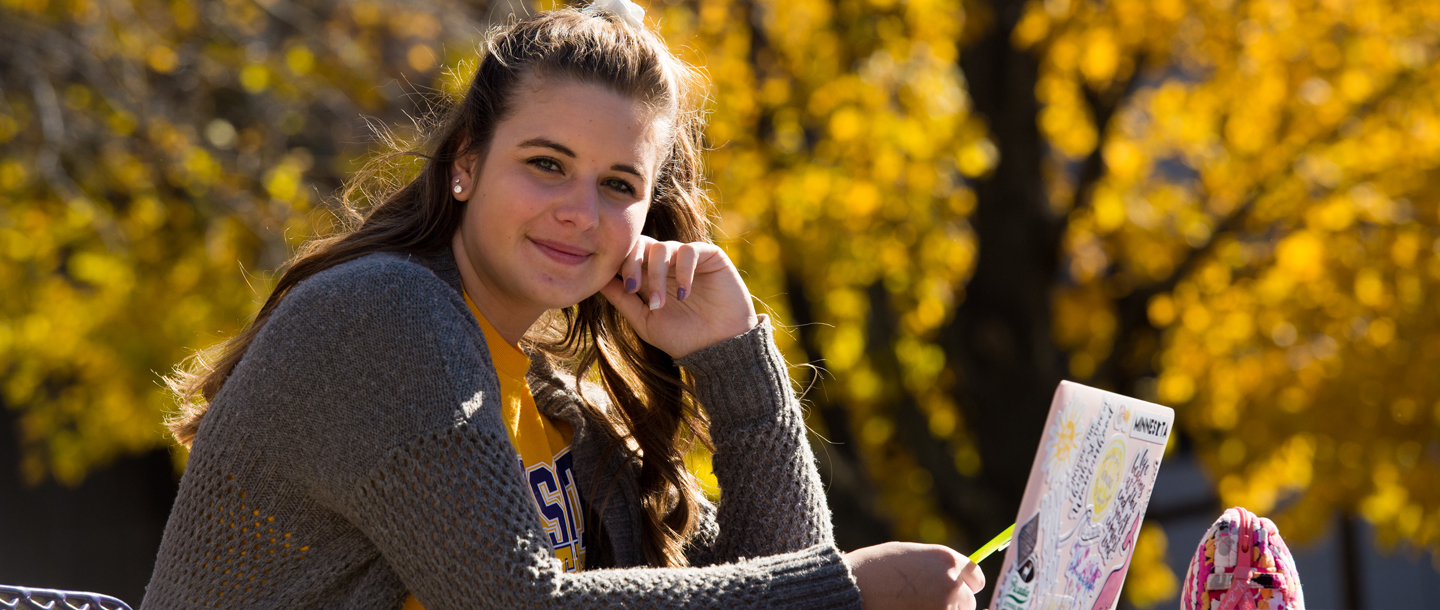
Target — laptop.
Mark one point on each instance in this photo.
(1086, 498)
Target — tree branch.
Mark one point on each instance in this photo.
(1131, 309)
(851, 492)
(1103, 107)
(1264, 187)
(966, 499)
(47, 159)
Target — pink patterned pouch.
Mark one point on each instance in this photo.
(1242, 564)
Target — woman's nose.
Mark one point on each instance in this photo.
(580, 207)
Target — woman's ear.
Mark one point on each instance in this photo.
(462, 175)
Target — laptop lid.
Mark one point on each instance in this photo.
(1088, 489)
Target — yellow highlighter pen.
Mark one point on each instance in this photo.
(996, 544)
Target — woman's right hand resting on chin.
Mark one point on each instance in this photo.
(912, 576)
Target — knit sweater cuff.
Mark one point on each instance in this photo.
(814, 578)
(740, 379)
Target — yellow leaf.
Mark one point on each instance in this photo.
(254, 78)
(300, 60)
(162, 59)
(1100, 56)
(978, 158)
(1301, 255)
(420, 57)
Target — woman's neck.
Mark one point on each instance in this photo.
(510, 319)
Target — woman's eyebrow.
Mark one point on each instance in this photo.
(548, 143)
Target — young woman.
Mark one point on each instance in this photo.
(482, 396)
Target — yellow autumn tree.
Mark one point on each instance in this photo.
(1251, 236)
(157, 161)
(842, 139)
(1223, 206)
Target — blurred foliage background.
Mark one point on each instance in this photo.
(1231, 207)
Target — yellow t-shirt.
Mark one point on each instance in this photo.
(543, 448)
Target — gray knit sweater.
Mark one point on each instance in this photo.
(356, 454)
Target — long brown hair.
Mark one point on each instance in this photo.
(653, 417)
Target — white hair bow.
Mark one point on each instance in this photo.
(624, 9)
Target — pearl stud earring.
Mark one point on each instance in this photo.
(457, 187)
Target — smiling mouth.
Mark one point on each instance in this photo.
(561, 253)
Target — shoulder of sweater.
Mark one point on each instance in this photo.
(381, 273)
(383, 292)
(357, 359)
(374, 329)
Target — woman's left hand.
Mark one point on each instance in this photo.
(693, 295)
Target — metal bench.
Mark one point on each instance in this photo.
(30, 598)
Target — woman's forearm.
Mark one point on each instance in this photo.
(771, 499)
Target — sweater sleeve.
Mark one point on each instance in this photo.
(771, 498)
(450, 516)
(403, 439)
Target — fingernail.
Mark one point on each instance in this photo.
(631, 285)
(680, 294)
(654, 301)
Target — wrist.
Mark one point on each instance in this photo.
(728, 332)
(742, 378)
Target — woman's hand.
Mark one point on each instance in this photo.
(911, 576)
(693, 296)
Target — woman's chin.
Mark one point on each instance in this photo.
(561, 297)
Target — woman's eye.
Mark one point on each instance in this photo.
(621, 185)
(546, 163)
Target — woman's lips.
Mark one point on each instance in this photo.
(561, 253)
